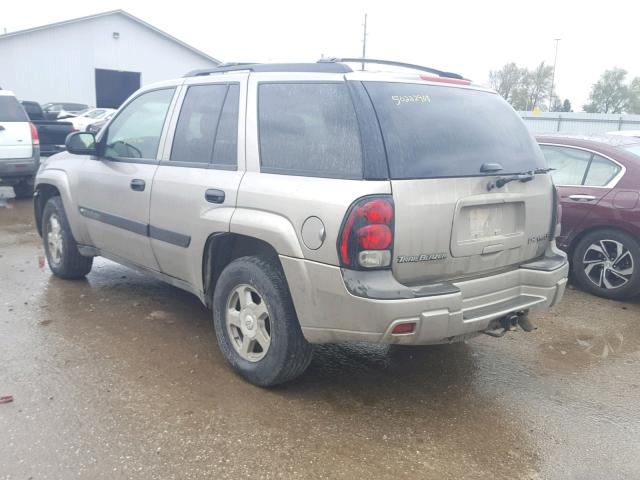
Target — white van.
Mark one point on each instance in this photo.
(19, 146)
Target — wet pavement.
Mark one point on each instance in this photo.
(119, 376)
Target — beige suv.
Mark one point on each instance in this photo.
(310, 203)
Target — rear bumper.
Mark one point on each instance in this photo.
(330, 313)
(14, 170)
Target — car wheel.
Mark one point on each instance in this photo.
(23, 189)
(256, 324)
(61, 250)
(606, 263)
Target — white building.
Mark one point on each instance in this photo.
(97, 60)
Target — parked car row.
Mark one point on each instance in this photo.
(90, 117)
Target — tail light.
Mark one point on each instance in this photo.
(556, 226)
(35, 139)
(366, 237)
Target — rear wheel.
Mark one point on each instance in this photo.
(606, 263)
(256, 324)
(61, 250)
(23, 189)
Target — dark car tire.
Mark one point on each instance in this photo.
(23, 189)
(628, 261)
(61, 249)
(288, 354)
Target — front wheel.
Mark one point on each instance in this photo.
(61, 250)
(256, 324)
(606, 262)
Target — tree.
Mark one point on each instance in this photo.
(524, 89)
(634, 96)
(507, 80)
(609, 94)
(539, 85)
(566, 105)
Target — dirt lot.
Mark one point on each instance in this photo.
(119, 376)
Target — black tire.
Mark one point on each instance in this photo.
(23, 189)
(288, 354)
(71, 265)
(628, 262)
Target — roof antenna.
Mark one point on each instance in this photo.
(364, 41)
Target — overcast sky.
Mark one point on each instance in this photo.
(468, 37)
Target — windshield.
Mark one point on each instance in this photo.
(438, 131)
(633, 148)
(11, 110)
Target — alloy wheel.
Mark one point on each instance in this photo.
(248, 323)
(54, 239)
(608, 264)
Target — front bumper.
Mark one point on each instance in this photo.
(330, 313)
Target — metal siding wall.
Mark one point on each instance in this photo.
(58, 64)
(580, 123)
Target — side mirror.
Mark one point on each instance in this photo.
(81, 143)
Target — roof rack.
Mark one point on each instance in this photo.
(440, 73)
(318, 67)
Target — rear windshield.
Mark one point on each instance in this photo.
(11, 110)
(439, 131)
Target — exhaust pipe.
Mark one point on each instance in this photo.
(509, 323)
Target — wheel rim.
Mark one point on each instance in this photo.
(54, 239)
(608, 264)
(248, 323)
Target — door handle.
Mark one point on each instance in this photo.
(137, 185)
(213, 195)
(582, 198)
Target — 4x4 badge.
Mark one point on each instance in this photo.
(425, 257)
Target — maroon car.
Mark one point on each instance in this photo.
(598, 181)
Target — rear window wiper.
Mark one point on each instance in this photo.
(521, 177)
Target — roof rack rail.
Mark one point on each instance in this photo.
(328, 67)
(440, 73)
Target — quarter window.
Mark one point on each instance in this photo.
(308, 129)
(601, 172)
(136, 131)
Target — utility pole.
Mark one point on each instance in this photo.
(364, 41)
(553, 75)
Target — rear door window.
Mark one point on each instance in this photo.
(11, 110)
(207, 129)
(440, 131)
(196, 129)
(308, 129)
(569, 164)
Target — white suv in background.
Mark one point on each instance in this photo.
(19, 146)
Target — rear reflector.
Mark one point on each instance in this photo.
(402, 328)
(457, 81)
